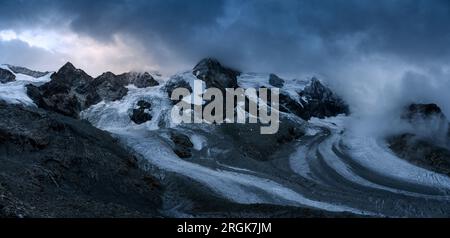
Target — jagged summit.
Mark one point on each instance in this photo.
(215, 74)
(68, 66)
(320, 101)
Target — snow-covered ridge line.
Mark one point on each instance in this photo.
(15, 92)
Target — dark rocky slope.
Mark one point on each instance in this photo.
(215, 74)
(71, 90)
(55, 166)
(417, 149)
(319, 101)
(276, 81)
(6, 76)
(141, 113)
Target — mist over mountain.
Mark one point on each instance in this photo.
(363, 108)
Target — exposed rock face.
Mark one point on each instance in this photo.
(215, 75)
(110, 87)
(247, 138)
(25, 71)
(421, 152)
(55, 166)
(428, 145)
(141, 114)
(174, 83)
(276, 81)
(428, 121)
(183, 145)
(289, 105)
(424, 111)
(6, 76)
(139, 80)
(316, 100)
(69, 92)
(321, 102)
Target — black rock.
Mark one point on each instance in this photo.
(421, 152)
(215, 75)
(70, 91)
(56, 166)
(141, 114)
(110, 87)
(144, 80)
(276, 81)
(289, 105)
(427, 145)
(321, 102)
(59, 102)
(249, 142)
(428, 120)
(6, 76)
(174, 83)
(315, 100)
(423, 111)
(183, 145)
(26, 71)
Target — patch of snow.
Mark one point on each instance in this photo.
(238, 187)
(375, 155)
(15, 92)
(198, 141)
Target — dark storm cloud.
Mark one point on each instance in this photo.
(285, 36)
(379, 55)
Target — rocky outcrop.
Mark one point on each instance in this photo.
(423, 111)
(26, 71)
(250, 143)
(182, 145)
(421, 152)
(70, 91)
(174, 83)
(319, 101)
(215, 75)
(290, 105)
(6, 76)
(55, 166)
(141, 113)
(276, 81)
(427, 145)
(140, 80)
(315, 100)
(110, 87)
(428, 120)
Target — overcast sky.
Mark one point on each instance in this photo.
(363, 43)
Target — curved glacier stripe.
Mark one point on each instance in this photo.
(343, 169)
(375, 155)
(298, 162)
(239, 187)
